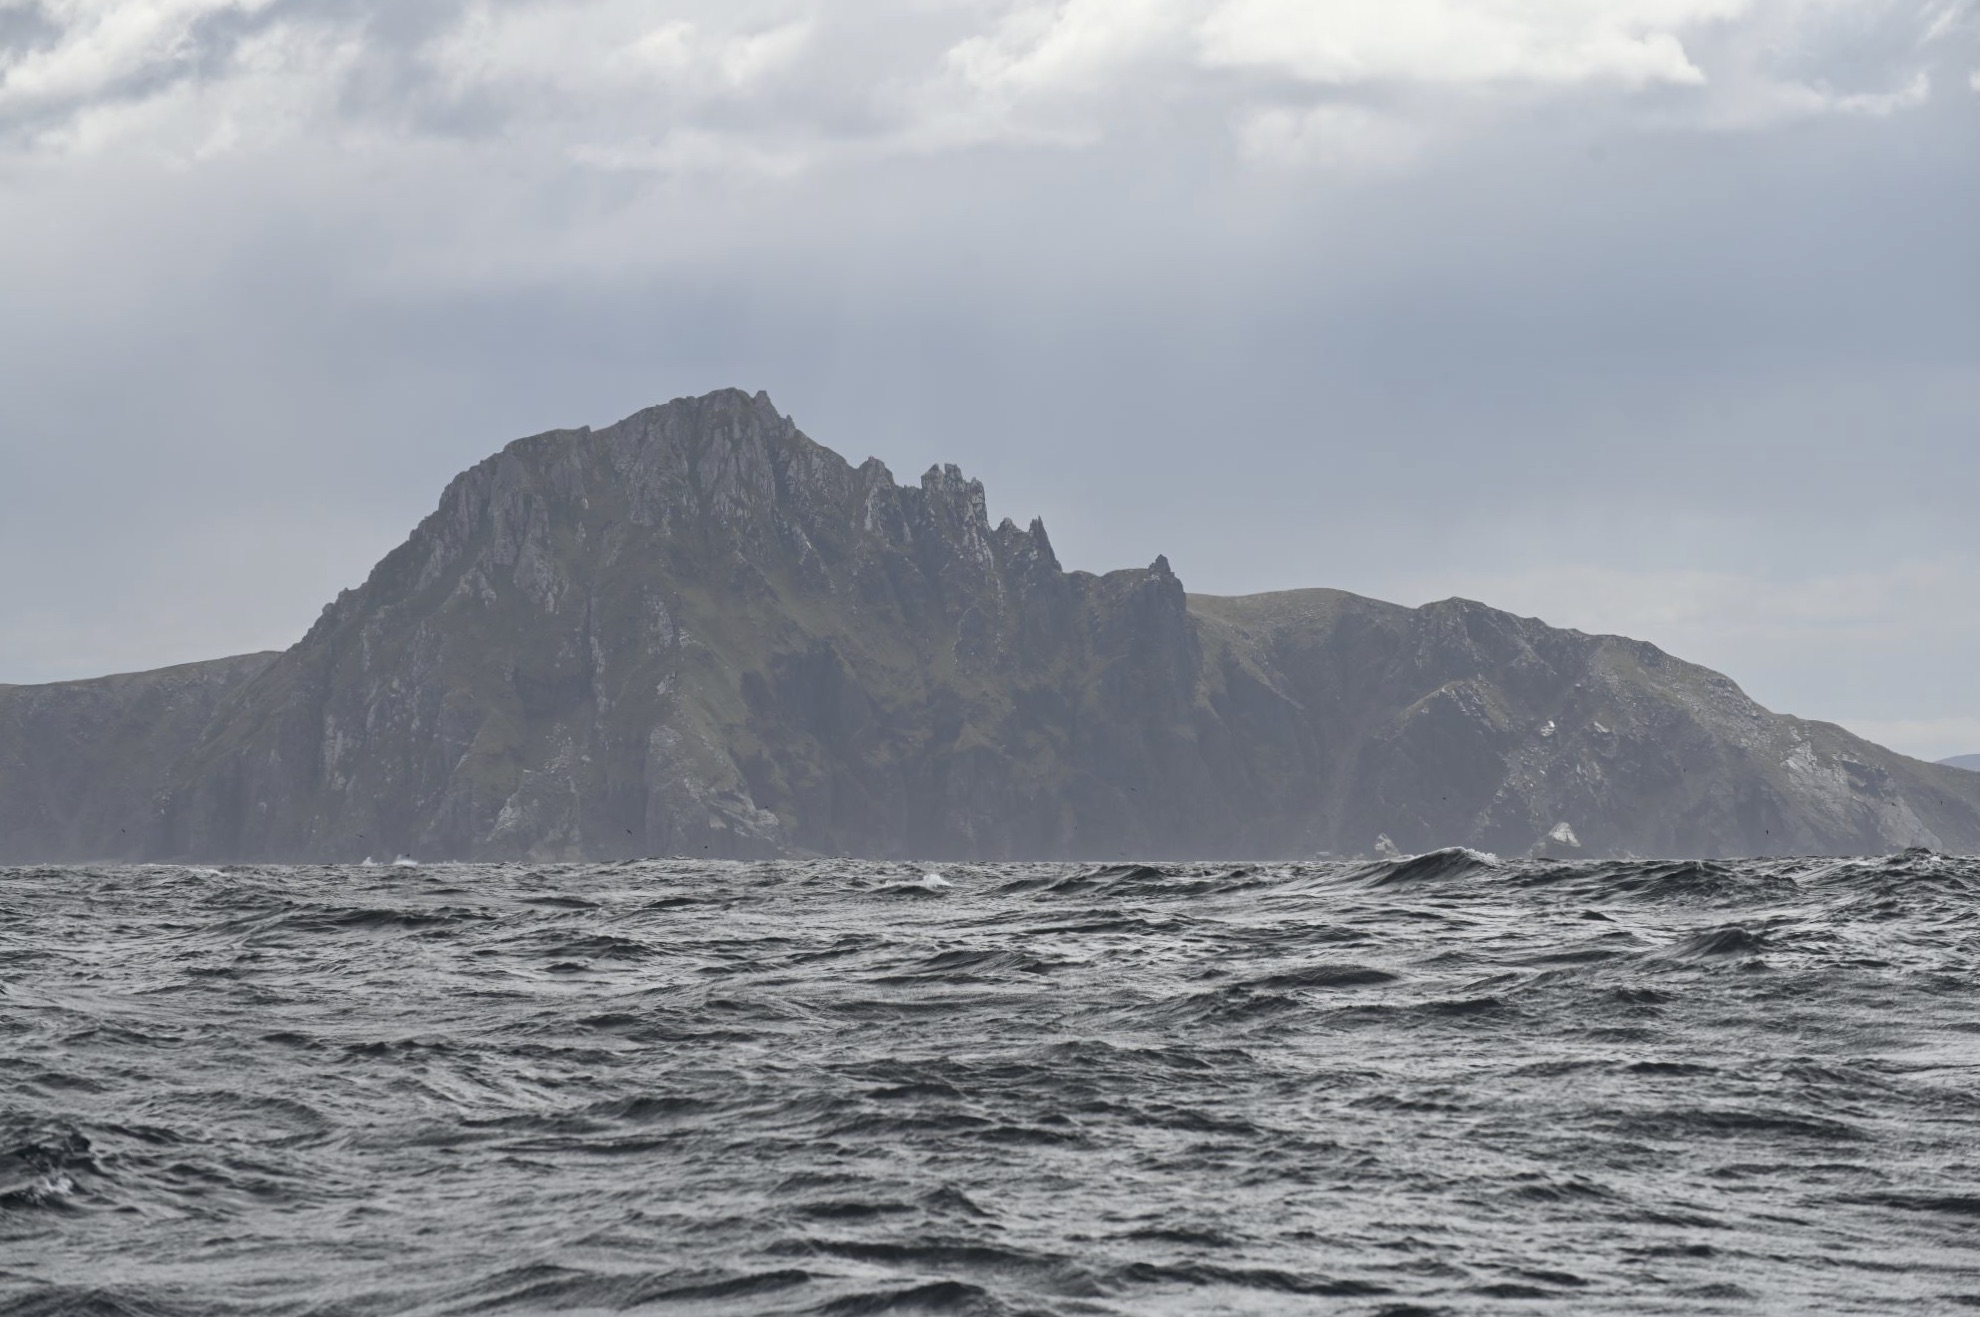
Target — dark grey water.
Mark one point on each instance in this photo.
(1442, 1085)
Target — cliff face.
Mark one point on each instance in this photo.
(699, 632)
(1455, 722)
(82, 762)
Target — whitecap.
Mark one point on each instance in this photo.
(42, 1191)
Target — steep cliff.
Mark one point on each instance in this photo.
(699, 632)
(82, 762)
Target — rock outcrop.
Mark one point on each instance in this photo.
(698, 632)
(82, 763)
(1458, 723)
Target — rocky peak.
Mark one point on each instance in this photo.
(1027, 551)
(698, 632)
(955, 499)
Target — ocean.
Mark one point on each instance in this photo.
(1448, 1084)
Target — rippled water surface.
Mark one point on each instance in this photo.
(1440, 1085)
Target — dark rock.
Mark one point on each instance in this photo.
(698, 632)
(81, 762)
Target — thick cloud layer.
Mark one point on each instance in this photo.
(1648, 315)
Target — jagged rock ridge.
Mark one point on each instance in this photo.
(699, 632)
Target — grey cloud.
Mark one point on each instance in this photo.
(1665, 333)
(633, 82)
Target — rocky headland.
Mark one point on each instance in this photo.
(699, 632)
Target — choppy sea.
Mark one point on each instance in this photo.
(1440, 1085)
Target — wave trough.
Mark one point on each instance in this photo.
(1442, 1084)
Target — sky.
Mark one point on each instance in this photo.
(1659, 317)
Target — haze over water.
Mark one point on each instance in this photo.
(1439, 1085)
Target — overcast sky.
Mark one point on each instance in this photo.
(1651, 316)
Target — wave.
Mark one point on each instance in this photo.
(1444, 1082)
(1430, 867)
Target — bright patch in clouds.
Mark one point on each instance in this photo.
(103, 42)
(1074, 45)
(629, 83)
(589, 51)
(1350, 42)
